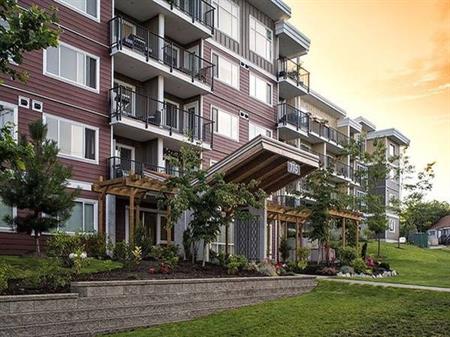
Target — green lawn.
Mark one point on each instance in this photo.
(331, 310)
(419, 266)
(25, 266)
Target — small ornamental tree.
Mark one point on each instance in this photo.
(21, 31)
(38, 186)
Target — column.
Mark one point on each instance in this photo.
(161, 33)
(343, 233)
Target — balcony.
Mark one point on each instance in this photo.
(320, 132)
(293, 79)
(142, 118)
(120, 167)
(289, 201)
(142, 55)
(189, 20)
(292, 42)
(292, 122)
(340, 170)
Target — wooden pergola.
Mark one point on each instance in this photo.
(134, 187)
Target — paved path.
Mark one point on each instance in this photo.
(385, 284)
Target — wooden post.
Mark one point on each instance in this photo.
(357, 234)
(131, 214)
(169, 230)
(301, 235)
(101, 213)
(297, 230)
(343, 233)
(278, 238)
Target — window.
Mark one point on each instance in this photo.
(227, 17)
(261, 39)
(72, 65)
(260, 89)
(89, 8)
(256, 130)
(225, 124)
(219, 245)
(163, 230)
(226, 71)
(4, 211)
(392, 224)
(391, 150)
(74, 139)
(83, 218)
(8, 116)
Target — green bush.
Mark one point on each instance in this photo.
(302, 257)
(384, 265)
(122, 252)
(346, 255)
(359, 265)
(236, 263)
(347, 270)
(61, 245)
(4, 276)
(142, 240)
(94, 244)
(49, 277)
(166, 255)
(364, 250)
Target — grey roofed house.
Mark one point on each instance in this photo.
(441, 227)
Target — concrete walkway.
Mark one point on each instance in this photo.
(385, 284)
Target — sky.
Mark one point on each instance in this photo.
(389, 61)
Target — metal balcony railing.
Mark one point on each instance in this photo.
(287, 114)
(128, 103)
(287, 201)
(327, 132)
(291, 69)
(198, 10)
(339, 168)
(152, 46)
(120, 167)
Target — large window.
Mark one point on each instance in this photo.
(219, 245)
(392, 225)
(261, 39)
(83, 218)
(227, 17)
(4, 211)
(89, 8)
(256, 130)
(225, 124)
(8, 116)
(74, 140)
(392, 151)
(260, 89)
(72, 65)
(225, 70)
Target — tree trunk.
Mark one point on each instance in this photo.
(227, 251)
(327, 253)
(193, 253)
(37, 244)
(204, 254)
(379, 246)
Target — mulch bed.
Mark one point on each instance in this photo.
(184, 270)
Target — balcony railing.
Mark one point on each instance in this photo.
(339, 168)
(120, 167)
(287, 114)
(128, 103)
(198, 10)
(291, 69)
(152, 46)
(287, 201)
(324, 131)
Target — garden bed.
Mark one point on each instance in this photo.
(183, 270)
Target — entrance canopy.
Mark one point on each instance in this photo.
(273, 163)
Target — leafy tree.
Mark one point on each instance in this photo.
(38, 186)
(24, 31)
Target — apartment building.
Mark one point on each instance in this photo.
(135, 80)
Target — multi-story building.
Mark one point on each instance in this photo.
(134, 80)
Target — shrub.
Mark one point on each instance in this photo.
(136, 256)
(4, 276)
(329, 271)
(122, 252)
(142, 240)
(61, 245)
(167, 256)
(364, 250)
(302, 257)
(236, 263)
(359, 265)
(347, 270)
(267, 268)
(49, 277)
(94, 244)
(187, 244)
(384, 265)
(284, 250)
(346, 255)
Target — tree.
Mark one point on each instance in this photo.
(37, 187)
(419, 215)
(214, 202)
(24, 31)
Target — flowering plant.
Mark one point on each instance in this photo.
(137, 255)
(78, 259)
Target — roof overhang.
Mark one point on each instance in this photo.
(347, 121)
(292, 42)
(365, 123)
(392, 134)
(275, 9)
(273, 163)
(318, 100)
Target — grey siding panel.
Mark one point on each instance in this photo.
(243, 46)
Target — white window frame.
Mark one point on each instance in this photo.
(251, 124)
(86, 201)
(15, 109)
(231, 243)
(216, 13)
(219, 110)
(219, 56)
(212, 162)
(63, 79)
(9, 229)
(267, 82)
(72, 7)
(177, 115)
(391, 228)
(392, 146)
(67, 156)
(133, 88)
(251, 17)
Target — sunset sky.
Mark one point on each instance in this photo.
(389, 61)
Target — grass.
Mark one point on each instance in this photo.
(25, 266)
(331, 310)
(418, 266)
